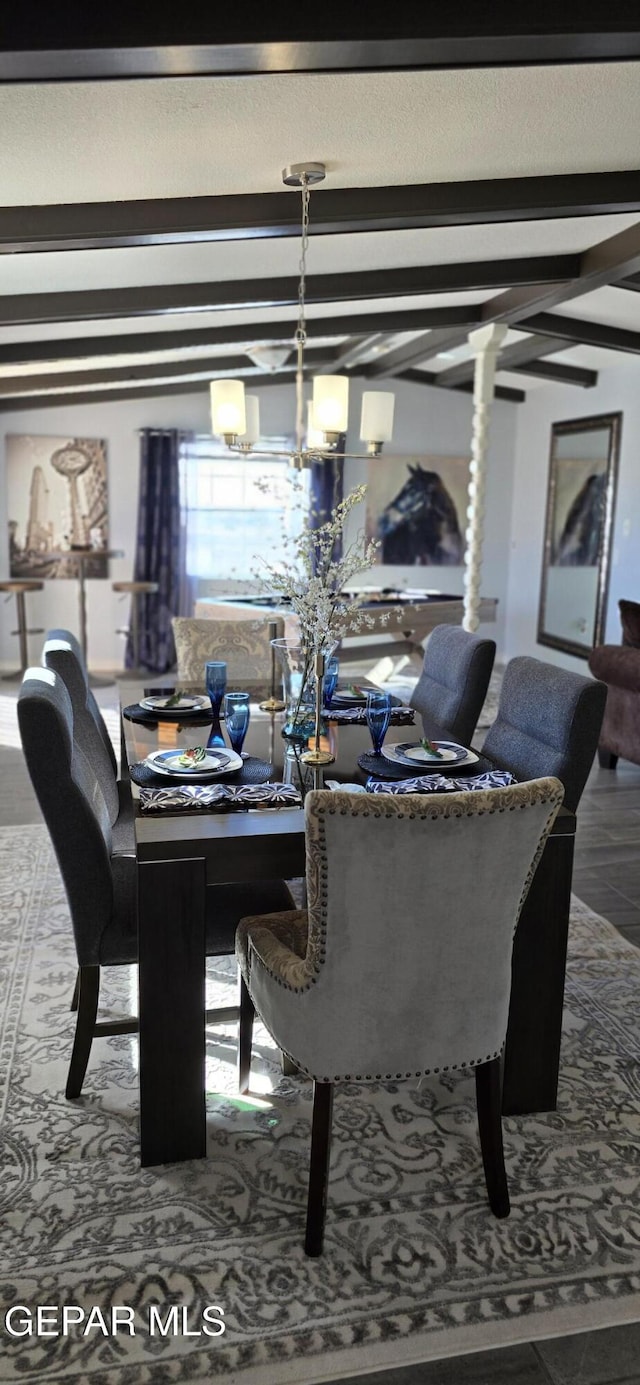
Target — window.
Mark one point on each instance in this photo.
(229, 519)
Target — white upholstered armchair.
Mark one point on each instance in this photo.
(402, 964)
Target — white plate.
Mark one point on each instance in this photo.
(216, 762)
(187, 706)
(419, 759)
(343, 696)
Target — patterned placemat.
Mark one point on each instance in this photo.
(254, 771)
(357, 716)
(135, 712)
(384, 769)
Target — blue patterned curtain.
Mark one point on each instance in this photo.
(158, 548)
(327, 488)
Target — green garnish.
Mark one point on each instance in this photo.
(175, 698)
(356, 691)
(431, 748)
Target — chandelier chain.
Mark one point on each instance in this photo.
(301, 330)
(301, 333)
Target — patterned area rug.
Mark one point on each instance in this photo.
(415, 1265)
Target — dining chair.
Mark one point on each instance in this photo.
(548, 722)
(62, 652)
(244, 645)
(452, 687)
(387, 977)
(100, 881)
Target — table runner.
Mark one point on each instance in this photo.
(221, 798)
(438, 783)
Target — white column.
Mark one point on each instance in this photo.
(485, 344)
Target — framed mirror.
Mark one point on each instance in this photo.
(577, 543)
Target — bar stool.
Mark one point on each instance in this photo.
(135, 590)
(19, 588)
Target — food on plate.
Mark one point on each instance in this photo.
(190, 758)
(431, 748)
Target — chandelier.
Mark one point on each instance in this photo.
(236, 416)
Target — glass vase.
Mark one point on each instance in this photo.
(298, 688)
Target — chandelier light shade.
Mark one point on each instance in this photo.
(315, 439)
(237, 419)
(251, 433)
(376, 420)
(228, 413)
(331, 405)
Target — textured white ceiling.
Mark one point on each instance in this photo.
(258, 259)
(96, 141)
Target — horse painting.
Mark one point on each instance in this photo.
(579, 542)
(420, 525)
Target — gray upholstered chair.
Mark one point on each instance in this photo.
(63, 653)
(388, 976)
(452, 687)
(244, 645)
(548, 722)
(99, 880)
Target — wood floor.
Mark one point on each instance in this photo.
(607, 878)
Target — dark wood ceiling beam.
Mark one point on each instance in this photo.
(160, 299)
(609, 262)
(335, 211)
(526, 357)
(557, 371)
(520, 353)
(350, 352)
(73, 43)
(129, 343)
(431, 377)
(25, 403)
(158, 370)
(572, 331)
(632, 283)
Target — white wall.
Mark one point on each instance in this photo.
(428, 421)
(58, 603)
(617, 390)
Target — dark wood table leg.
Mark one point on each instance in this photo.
(532, 1054)
(171, 953)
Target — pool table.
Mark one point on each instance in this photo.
(410, 617)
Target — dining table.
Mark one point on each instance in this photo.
(181, 854)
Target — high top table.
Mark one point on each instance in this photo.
(179, 855)
(82, 557)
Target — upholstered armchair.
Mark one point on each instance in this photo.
(100, 880)
(402, 965)
(244, 645)
(619, 667)
(548, 722)
(452, 687)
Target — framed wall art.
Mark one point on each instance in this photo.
(417, 510)
(57, 501)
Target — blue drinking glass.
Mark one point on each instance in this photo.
(216, 680)
(236, 715)
(215, 672)
(330, 679)
(378, 717)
